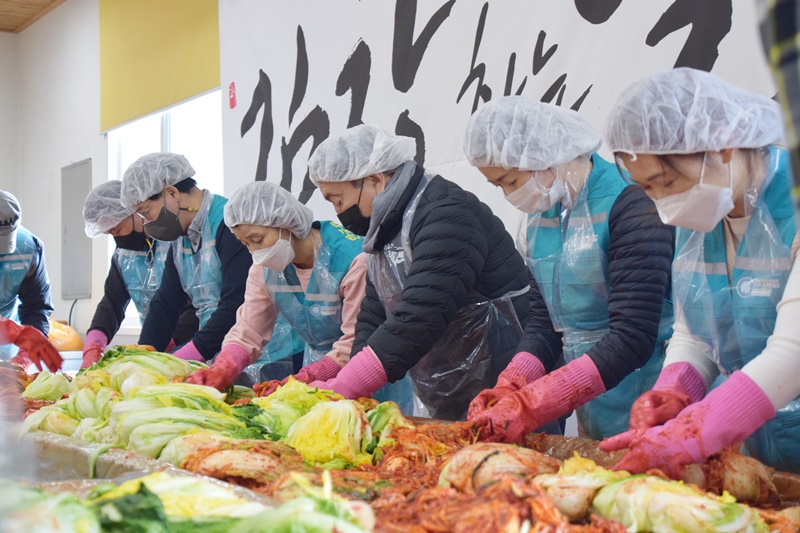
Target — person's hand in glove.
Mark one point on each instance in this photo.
(322, 370)
(93, 347)
(268, 387)
(226, 368)
(546, 399)
(188, 352)
(361, 376)
(729, 414)
(524, 368)
(678, 386)
(29, 339)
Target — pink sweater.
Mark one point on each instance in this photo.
(255, 318)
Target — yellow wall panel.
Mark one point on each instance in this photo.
(154, 54)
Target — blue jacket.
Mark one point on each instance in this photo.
(25, 287)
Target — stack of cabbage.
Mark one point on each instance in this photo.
(162, 503)
(645, 503)
(327, 430)
(129, 400)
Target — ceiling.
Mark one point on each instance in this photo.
(16, 15)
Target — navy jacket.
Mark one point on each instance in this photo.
(458, 246)
(170, 299)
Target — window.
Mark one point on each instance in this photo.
(193, 129)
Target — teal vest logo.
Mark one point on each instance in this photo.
(748, 287)
(325, 310)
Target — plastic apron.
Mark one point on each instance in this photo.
(201, 272)
(275, 361)
(457, 368)
(142, 273)
(735, 318)
(316, 313)
(15, 267)
(566, 252)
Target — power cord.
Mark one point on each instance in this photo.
(69, 320)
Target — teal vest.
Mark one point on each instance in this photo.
(567, 257)
(316, 313)
(14, 267)
(736, 318)
(744, 309)
(201, 272)
(142, 273)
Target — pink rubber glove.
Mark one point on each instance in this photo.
(226, 368)
(30, 340)
(547, 398)
(93, 347)
(361, 376)
(323, 370)
(678, 386)
(729, 414)
(189, 353)
(524, 368)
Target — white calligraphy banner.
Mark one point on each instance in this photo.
(294, 73)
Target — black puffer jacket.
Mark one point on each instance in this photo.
(639, 255)
(458, 247)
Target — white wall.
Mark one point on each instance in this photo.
(9, 111)
(57, 83)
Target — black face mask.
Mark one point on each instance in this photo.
(352, 219)
(166, 227)
(135, 240)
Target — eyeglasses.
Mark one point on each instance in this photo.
(621, 168)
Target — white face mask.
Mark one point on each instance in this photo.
(276, 257)
(534, 198)
(700, 208)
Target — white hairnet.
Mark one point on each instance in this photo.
(358, 152)
(261, 203)
(517, 132)
(149, 174)
(102, 210)
(684, 111)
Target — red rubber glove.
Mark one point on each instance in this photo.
(547, 398)
(22, 359)
(170, 346)
(188, 352)
(361, 376)
(323, 370)
(729, 414)
(268, 387)
(678, 386)
(524, 368)
(29, 339)
(93, 347)
(226, 368)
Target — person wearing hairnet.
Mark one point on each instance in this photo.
(446, 289)
(704, 150)
(135, 272)
(311, 273)
(205, 264)
(24, 285)
(600, 257)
